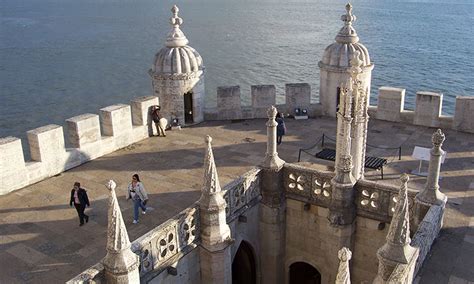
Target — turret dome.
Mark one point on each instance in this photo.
(347, 43)
(176, 58)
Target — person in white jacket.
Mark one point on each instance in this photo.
(136, 191)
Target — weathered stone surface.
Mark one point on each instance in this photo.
(83, 129)
(263, 96)
(390, 104)
(428, 108)
(298, 95)
(13, 172)
(229, 102)
(464, 114)
(141, 108)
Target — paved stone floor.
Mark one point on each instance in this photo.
(41, 242)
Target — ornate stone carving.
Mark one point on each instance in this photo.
(176, 37)
(437, 138)
(343, 273)
(211, 180)
(188, 228)
(322, 188)
(370, 198)
(272, 161)
(346, 163)
(397, 248)
(166, 244)
(120, 262)
(297, 182)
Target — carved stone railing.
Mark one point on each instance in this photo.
(377, 201)
(92, 275)
(307, 184)
(242, 193)
(168, 242)
(427, 232)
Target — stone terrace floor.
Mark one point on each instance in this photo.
(41, 242)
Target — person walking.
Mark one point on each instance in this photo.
(80, 200)
(158, 120)
(136, 191)
(281, 127)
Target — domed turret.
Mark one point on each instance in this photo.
(176, 57)
(335, 63)
(178, 76)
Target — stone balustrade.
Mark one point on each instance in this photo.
(121, 125)
(390, 106)
(242, 194)
(168, 242)
(307, 184)
(377, 201)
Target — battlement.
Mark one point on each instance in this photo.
(390, 106)
(90, 135)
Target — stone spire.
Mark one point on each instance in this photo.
(176, 37)
(397, 248)
(431, 193)
(347, 34)
(215, 231)
(272, 161)
(211, 183)
(343, 273)
(120, 263)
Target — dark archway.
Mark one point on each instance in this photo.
(303, 273)
(188, 108)
(243, 266)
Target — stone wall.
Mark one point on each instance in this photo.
(427, 110)
(90, 136)
(427, 232)
(390, 106)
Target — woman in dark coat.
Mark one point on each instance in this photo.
(80, 200)
(281, 128)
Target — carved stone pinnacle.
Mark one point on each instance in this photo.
(272, 112)
(344, 254)
(438, 138)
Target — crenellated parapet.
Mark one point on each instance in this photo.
(427, 111)
(391, 106)
(90, 136)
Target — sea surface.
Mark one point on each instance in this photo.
(62, 58)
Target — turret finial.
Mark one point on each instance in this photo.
(176, 37)
(347, 34)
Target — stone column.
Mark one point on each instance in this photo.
(360, 121)
(343, 273)
(120, 263)
(431, 194)
(215, 254)
(341, 208)
(272, 210)
(397, 249)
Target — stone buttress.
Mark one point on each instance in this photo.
(215, 253)
(272, 210)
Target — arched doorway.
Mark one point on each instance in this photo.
(303, 273)
(188, 108)
(243, 266)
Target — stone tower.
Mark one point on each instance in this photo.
(178, 77)
(335, 64)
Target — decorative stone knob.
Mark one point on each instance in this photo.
(208, 139)
(348, 18)
(404, 178)
(111, 185)
(438, 138)
(271, 112)
(344, 254)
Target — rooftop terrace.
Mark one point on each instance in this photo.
(41, 242)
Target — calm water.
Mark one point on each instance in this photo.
(63, 58)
